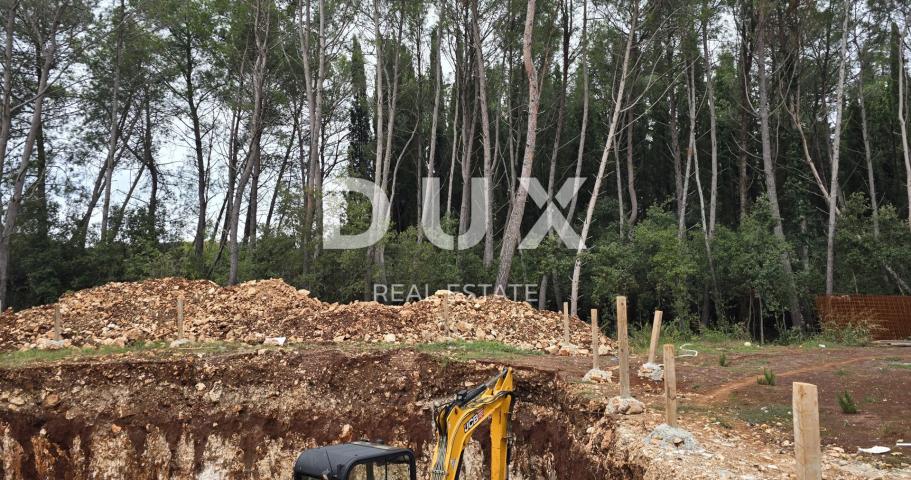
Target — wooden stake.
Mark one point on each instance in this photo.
(58, 328)
(596, 340)
(446, 315)
(656, 334)
(670, 385)
(566, 337)
(180, 329)
(624, 347)
(805, 405)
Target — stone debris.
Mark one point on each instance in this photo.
(651, 371)
(624, 406)
(260, 312)
(598, 376)
(277, 341)
(670, 437)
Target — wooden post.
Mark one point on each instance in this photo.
(58, 328)
(180, 329)
(446, 315)
(656, 334)
(567, 339)
(670, 385)
(805, 405)
(596, 340)
(624, 347)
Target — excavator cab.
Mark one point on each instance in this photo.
(454, 421)
(356, 461)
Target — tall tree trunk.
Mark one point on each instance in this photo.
(611, 133)
(555, 150)
(906, 151)
(580, 154)
(713, 132)
(706, 231)
(868, 153)
(769, 167)
(202, 180)
(261, 35)
(434, 122)
(314, 89)
(745, 64)
(631, 170)
(485, 137)
(511, 233)
(12, 208)
(114, 132)
(836, 146)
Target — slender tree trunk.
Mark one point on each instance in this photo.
(261, 32)
(868, 153)
(580, 154)
(906, 150)
(706, 231)
(485, 138)
(511, 233)
(631, 171)
(434, 122)
(555, 150)
(202, 180)
(314, 88)
(836, 147)
(15, 201)
(743, 95)
(114, 132)
(713, 132)
(611, 133)
(769, 167)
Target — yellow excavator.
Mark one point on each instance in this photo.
(454, 421)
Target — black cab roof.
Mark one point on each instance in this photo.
(333, 462)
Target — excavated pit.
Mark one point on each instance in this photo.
(248, 415)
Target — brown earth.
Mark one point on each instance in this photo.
(878, 378)
(180, 413)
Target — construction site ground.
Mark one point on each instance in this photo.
(270, 371)
(744, 428)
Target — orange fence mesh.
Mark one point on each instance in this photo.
(888, 316)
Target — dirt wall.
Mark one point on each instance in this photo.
(248, 415)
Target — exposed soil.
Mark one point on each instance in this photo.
(247, 415)
(878, 378)
(167, 414)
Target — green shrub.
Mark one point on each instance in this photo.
(846, 402)
(767, 378)
(723, 359)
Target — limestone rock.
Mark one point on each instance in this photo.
(624, 406)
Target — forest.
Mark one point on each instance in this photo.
(738, 157)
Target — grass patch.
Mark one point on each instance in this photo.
(767, 378)
(900, 365)
(770, 415)
(462, 350)
(846, 402)
(27, 357)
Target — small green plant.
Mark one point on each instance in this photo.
(723, 359)
(767, 378)
(846, 402)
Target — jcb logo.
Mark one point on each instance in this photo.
(474, 420)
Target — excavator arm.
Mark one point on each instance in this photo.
(456, 420)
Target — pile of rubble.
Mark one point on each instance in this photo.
(260, 311)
